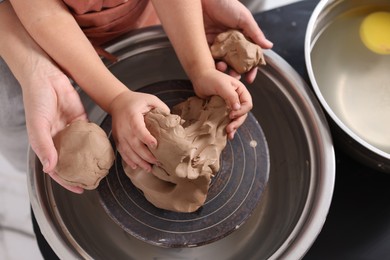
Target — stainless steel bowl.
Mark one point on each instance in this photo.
(293, 207)
(351, 82)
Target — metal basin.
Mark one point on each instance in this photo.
(351, 82)
(292, 209)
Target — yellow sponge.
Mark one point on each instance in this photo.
(375, 32)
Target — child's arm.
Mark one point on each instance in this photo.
(183, 23)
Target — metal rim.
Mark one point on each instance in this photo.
(319, 12)
(320, 196)
(322, 170)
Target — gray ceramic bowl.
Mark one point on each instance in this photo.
(293, 207)
(351, 82)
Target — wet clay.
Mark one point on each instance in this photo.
(190, 141)
(85, 154)
(237, 51)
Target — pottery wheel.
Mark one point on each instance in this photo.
(234, 192)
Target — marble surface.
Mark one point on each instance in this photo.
(17, 239)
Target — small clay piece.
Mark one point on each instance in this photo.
(189, 146)
(85, 154)
(237, 51)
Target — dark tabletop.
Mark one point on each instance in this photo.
(358, 223)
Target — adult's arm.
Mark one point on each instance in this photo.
(50, 100)
(53, 27)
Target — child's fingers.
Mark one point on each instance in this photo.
(234, 74)
(139, 143)
(126, 157)
(133, 156)
(230, 95)
(142, 155)
(235, 124)
(232, 100)
(232, 127)
(221, 66)
(138, 160)
(156, 102)
(143, 135)
(238, 99)
(245, 100)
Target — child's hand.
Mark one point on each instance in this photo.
(131, 136)
(234, 92)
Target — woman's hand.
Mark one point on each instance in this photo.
(50, 103)
(221, 15)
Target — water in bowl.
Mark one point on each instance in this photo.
(354, 81)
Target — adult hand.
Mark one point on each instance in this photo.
(221, 15)
(51, 103)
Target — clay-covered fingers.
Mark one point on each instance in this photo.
(234, 92)
(239, 113)
(137, 157)
(133, 147)
(135, 151)
(232, 127)
(131, 136)
(241, 96)
(239, 100)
